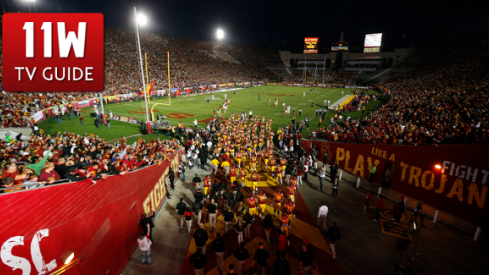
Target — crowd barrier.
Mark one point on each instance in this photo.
(451, 178)
(97, 222)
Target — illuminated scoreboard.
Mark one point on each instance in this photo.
(311, 44)
(373, 43)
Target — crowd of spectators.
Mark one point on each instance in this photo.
(189, 67)
(328, 77)
(444, 100)
(44, 159)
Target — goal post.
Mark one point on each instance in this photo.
(153, 114)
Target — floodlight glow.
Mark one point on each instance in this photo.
(438, 166)
(30, 1)
(142, 19)
(220, 34)
(68, 260)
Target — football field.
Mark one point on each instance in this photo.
(186, 110)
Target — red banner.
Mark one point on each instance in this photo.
(452, 178)
(98, 222)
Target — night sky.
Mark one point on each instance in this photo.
(284, 24)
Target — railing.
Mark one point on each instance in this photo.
(66, 181)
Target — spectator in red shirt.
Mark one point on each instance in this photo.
(11, 172)
(378, 207)
(93, 169)
(281, 242)
(48, 174)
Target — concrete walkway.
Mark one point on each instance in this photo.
(366, 247)
(170, 242)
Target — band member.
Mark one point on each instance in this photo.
(232, 149)
(291, 190)
(272, 165)
(283, 162)
(238, 158)
(262, 199)
(232, 173)
(289, 208)
(207, 184)
(242, 174)
(278, 197)
(266, 157)
(284, 225)
(253, 162)
(279, 174)
(255, 179)
(252, 205)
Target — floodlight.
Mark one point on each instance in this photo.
(220, 34)
(142, 19)
(67, 256)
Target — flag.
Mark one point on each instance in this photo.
(149, 88)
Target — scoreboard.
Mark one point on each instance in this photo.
(373, 43)
(311, 45)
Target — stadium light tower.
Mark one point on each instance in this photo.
(140, 18)
(220, 34)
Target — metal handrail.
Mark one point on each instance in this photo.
(67, 181)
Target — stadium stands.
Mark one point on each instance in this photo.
(443, 101)
(27, 165)
(329, 77)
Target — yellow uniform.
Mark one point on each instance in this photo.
(207, 184)
(272, 164)
(278, 200)
(284, 224)
(291, 192)
(254, 180)
(262, 199)
(232, 174)
(253, 162)
(252, 206)
(289, 209)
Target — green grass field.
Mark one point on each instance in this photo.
(187, 110)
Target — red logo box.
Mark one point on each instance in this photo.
(53, 52)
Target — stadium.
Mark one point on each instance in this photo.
(213, 152)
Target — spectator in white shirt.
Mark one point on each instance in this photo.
(194, 158)
(322, 214)
(145, 246)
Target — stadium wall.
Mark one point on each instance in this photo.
(98, 222)
(458, 186)
(398, 55)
